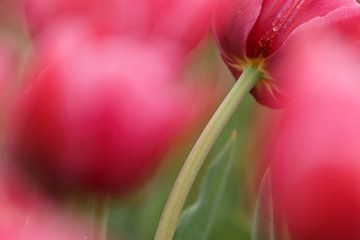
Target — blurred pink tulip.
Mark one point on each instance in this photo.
(252, 31)
(315, 156)
(182, 23)
(100, 114)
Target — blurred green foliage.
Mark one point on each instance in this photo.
(197, 220)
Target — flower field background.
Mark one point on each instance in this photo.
(167, 119)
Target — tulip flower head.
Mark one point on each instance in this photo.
(250, 32)
(99, 116)
(183, 23)
(315, 156)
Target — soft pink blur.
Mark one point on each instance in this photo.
(7, 73)
(101, 114)
(250, 31)
(315, 156)
(183, 23)
(25, 215)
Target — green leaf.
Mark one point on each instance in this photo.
(263, 225)
(197, 220)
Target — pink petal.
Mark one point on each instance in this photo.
(101, 113)
(315, 155)
(343, 22)
(178, 22)
(186, 21)
(279, 18)
(233, 22)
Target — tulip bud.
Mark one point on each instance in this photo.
(315, 156)
(184, 23)
(99, 116)
(251, 32)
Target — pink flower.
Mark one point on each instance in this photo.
(315, 156)
(100, 114)
(182, 23)
(253, 31)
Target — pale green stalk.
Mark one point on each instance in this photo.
(200, 151)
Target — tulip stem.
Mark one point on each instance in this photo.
(101, 218)
(200, 151)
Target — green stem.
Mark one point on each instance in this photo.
(101, 217)
(200, 151)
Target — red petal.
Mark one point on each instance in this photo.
(279, 18)
(232, 24)
(315, 156)
(344, 22)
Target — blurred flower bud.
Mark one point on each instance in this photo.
(315, 156)
(100, 115)
(182, 23)
(251, 31)
(185, 21)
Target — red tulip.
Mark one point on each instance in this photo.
(315, 156)
(252, 31)
(100, 114)
(183, 23)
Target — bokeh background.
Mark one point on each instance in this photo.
(137, 215)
